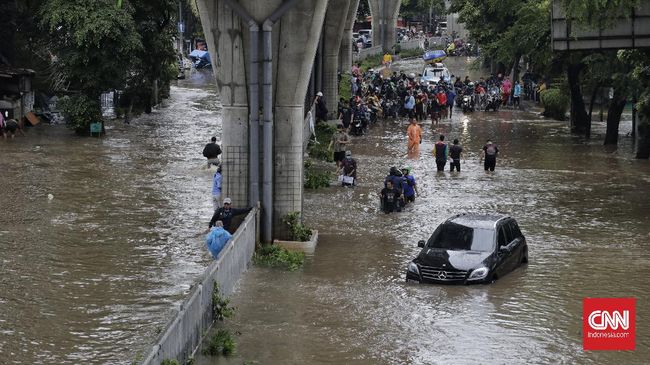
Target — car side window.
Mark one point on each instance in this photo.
(502, 240)
(510, 235)
(516, 233)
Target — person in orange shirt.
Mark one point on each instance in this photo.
(414, 133)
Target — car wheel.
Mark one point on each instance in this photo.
(524, 257)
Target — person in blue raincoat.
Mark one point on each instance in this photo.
(217, 238)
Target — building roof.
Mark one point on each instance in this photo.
(10, 72)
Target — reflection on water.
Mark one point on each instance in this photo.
(91, 275)
(583, 210)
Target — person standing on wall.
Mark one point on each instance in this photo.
(226, 213)
(216, 188)
(217, 238)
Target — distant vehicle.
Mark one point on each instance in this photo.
(366, 32)
(355, 35)
(442, 27)
(470, 248)
(433, 74)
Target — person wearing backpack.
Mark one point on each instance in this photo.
(411, 187)
(490, 152)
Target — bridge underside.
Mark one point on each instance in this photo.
(264, 54)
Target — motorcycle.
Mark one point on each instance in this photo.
(493, 101)
(467, 103)
(356, 127)
(391, 109)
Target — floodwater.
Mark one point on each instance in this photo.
(583, 208)
(90, 276)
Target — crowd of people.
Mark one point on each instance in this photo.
(398, 95)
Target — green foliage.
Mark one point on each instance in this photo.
(594, 14)
(371, 62)
(345, 86)
(298, 231)
(276, 256)
(509, 29)
(221, 343)
(315, 178)
(169, 362)
(221, 308)
(320, 150)
(79, 112)
(408, 53)
(556, 103)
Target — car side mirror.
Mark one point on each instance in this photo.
(421, 243)
(503, 250)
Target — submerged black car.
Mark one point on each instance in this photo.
(470, 248)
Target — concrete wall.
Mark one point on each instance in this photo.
(184, 332)
(367, 52)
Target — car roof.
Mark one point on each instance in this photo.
(478, 220)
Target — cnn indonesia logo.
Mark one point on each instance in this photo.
(608, 323)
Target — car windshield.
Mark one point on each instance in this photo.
(452, 236)
(432, 72)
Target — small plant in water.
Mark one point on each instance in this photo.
(169, 362)
(276, 256)
(221, 308)
(222, 343)
(298, 231)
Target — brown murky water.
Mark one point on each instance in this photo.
(585, 213)
(90, 276)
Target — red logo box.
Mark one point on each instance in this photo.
(608, 323)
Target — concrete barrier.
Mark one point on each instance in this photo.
(366, 52)
(184, 332)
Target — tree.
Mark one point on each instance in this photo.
(93, 45)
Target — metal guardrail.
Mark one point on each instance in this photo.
(183, 333)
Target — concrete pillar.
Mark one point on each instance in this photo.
(298, 32)
(345, 53)
(295, 38)
(224, 33)
(384, 22)
(335, 22)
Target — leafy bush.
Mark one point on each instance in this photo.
(345, 86)
(413, 52)
(221, 343)
(555, 102)
(298, 231)
(276, 256)
(169, 362)
(79, 111)
(221, 308)
(314, 178)
(319, 151)
(371, 62)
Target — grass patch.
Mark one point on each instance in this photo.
(319, 151)
(413, 52)
(316, 178)
(345, 86)
(280, 257)
(221, 343)
(371, 62)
